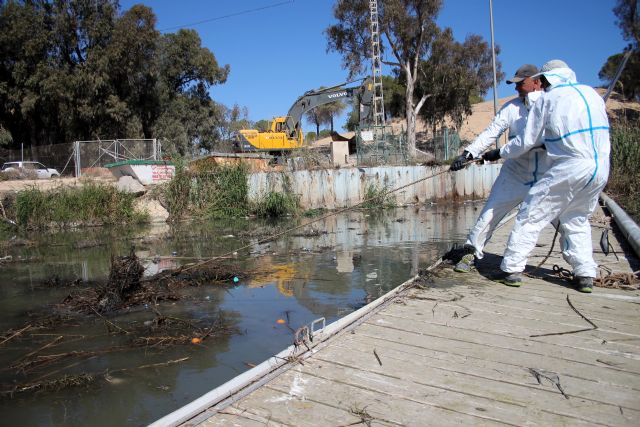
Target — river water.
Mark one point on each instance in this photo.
(327, 270)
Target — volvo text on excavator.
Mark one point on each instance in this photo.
(285, 133)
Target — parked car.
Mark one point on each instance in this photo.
(26, 169)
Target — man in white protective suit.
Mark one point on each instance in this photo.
(571, 121)
(516, 176)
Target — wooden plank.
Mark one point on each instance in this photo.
(509, 343)
(233, 417)
(379, 401)
(509, 403)
(287, 406)
(597, 371)
(469, 318)
(393, 353)
(524, 297)
(533, 314)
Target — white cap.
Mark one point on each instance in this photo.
(551, 65)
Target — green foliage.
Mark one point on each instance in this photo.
(216, 192)
(628, 85)
(5, 137)
(262, 125)
(377, 197)
(628, 14)
(83, 70)
(419, 50)
(324, 133)
(310, 136)
(90, 204)
(394, 96)
(624, 178)
(314, 212)
(275, 204)
(452, 75)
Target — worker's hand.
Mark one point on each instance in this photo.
(461, 161)
(491, 155)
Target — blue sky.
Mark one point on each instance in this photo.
(279, 52)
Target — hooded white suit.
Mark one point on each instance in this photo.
(571, 120)
(516, 175)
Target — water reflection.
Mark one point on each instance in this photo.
(326, 270)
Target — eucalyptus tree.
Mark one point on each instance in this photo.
(453, 76)
(409, 31)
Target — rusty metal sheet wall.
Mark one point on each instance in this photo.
(338, 188)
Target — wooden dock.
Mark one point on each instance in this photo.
(459, 349)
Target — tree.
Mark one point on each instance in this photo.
(409, 33)
(627, 12)
(231, 121)
(393, 93)
(78, 70)
(454, 73)
(315, 116)
(262, 125)
(331, 111)
(628, 85)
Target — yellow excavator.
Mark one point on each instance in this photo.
(285, 133)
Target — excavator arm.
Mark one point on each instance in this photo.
(285, 133)
(316, 98)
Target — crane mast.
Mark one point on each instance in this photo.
(376, 66)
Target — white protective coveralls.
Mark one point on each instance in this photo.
(516, 176)
(572, 122)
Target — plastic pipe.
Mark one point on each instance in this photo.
(629, 228)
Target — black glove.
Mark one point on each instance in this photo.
(491, 155)
(461, 161)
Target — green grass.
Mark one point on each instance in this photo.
(274, 205)
(310, 213)
(624, 179)
(91, 204)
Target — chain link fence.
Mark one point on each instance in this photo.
(76, 158)
(54, 156)
(446, 144)
(381, 146)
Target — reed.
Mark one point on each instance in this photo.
(275, 204)
(624, 178)
(377, 197)
(217, 191)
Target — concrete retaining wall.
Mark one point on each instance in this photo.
(338, 188)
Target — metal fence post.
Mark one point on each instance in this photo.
(76, 150)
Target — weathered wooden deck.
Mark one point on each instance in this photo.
(462, 350)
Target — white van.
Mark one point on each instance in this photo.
(30, 168)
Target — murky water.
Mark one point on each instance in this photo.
(353, 258)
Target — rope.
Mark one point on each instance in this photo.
(282, 233)
(629, 281)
